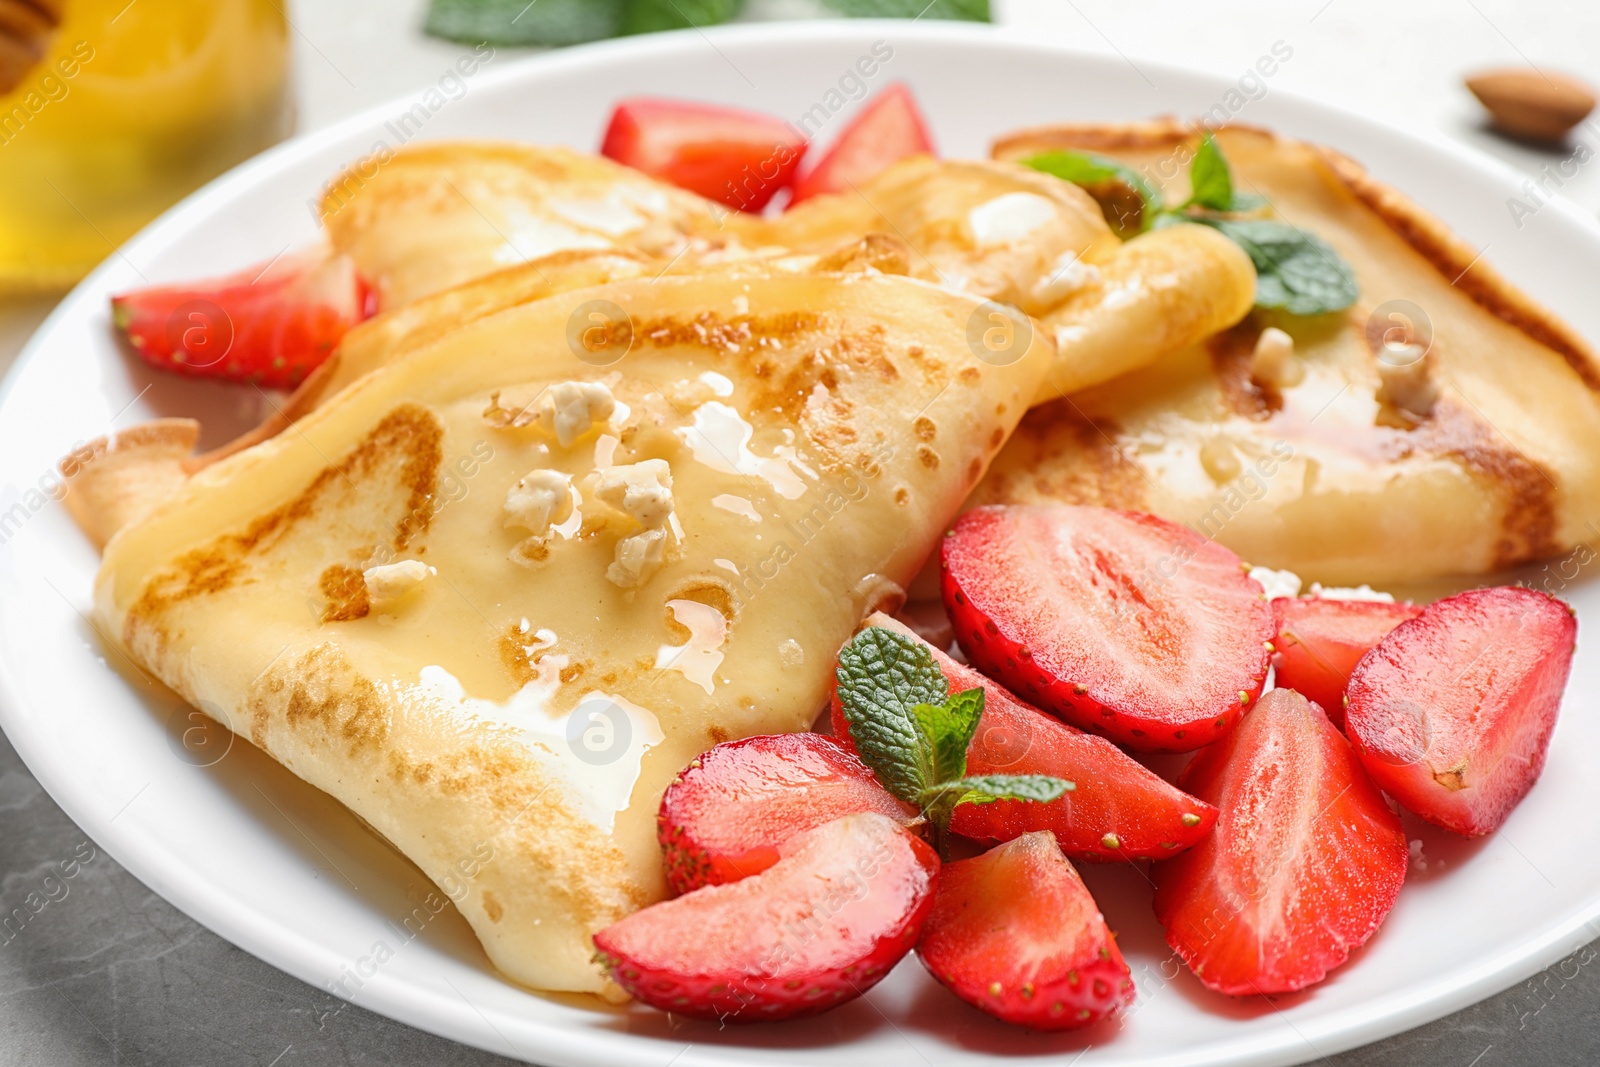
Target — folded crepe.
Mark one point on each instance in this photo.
(1445, 425)
(496, 593)
(450, 232)
(433, 217)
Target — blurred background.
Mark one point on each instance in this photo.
(115, 109)
(112, 110)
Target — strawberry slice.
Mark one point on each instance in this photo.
(1452, 712)
(1015, 933)
(1118, 809)
(888, 129)
(1305, 861)
(1121, 623)
(1319, 642)
(724, 816)
(738, 158)
(844, 903)
(271, 324)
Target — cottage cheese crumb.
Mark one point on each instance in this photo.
(567, 410)
(539, 500)
(1274, 361)
(1406, 380)
(389, 584)
(642, 491)
(1360, 592)
(1276, 584)
(1068, 275)
(638, 558)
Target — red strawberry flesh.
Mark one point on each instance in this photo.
(738, 158)
(1015, 933)
(1452, 712)
(1118, 809)
(271, 324)
(1305, 861)
(1121, 623)
(724, 817)
(844, 903)
(888, 129)
(1319, 642)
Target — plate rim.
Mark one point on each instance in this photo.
(299, 955)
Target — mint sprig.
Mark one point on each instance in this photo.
(1296, 271)
(914, 733)
(1211, 181)
(1129, 203)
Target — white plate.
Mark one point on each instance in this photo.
(286, 873)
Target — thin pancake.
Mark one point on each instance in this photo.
(511, 721)
(1323, 476)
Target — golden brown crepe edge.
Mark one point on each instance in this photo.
(1456, 260)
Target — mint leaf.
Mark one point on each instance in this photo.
(947, 729)
(516, 22)
(987, 788)
(970, 10)
(648, 16)
(914, 733)
(1295, 270)
(1210, 178)
(883, 676)
(1128, 202)
(940, 801)
(1211, 181)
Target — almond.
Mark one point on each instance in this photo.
(1533, 104)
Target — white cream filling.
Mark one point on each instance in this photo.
(1009, 218)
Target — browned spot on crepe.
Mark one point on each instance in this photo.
(407, 439)
(1526, 490)
(1099, 473)
(346, 591)
(1231, 352)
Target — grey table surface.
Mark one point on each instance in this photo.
(112, 974)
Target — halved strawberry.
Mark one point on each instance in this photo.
(1319, 642)
(1452, 712)
(1118, 808)
(1122, 623)
(888, 129)
(271, 324)
(1015, 933)
(1304, 863)
(724, 816)
(738, 158)
(843, 904)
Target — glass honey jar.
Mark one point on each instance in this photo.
(111, 111)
